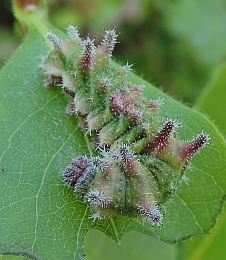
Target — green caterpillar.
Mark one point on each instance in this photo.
(140, 163)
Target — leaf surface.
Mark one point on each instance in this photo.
(40, 217)
(205, 31)
(212, 102)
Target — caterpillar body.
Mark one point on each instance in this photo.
(140, 162)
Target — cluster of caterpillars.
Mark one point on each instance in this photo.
(139, 163)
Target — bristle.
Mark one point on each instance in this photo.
(123, 103)
(156, 104)
(97, 199)
(109, 41)
(123, 71)
(55, 40)
(136, 89)
(188, 149)
(106, 83)
(161, 139)
(72, 31)
(75, 170)
(119, 102)
(152, 214)
(82, 105)
(70, 109)
(135, 114)
(123, 154)
(99, 164)
(89, 54)
(82, 184)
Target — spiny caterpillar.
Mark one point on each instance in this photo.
(139, 163)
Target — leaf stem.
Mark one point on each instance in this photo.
(31, 15)
(115, 230)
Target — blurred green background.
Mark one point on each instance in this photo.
(176, 45)
(173, 44)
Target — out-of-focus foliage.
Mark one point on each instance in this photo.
(8, 40)
(173, 44)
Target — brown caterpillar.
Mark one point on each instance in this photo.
(140, 163)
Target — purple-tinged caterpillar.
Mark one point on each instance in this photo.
(140, 163)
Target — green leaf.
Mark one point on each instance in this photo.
(212, 102)
(134, 246)
(40, 217)
(200, 23)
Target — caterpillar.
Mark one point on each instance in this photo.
(138, 163)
